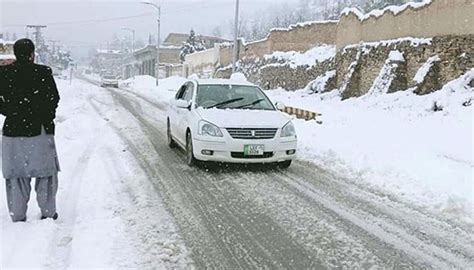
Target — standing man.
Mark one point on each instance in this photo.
(28, 99)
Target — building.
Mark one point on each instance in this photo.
(107, 62)
(6, 52)
(143, 61)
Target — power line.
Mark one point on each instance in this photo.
(103, 20)
(175, 11)
(89, 21)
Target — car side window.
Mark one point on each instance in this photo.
(181, 93)
(188, 95)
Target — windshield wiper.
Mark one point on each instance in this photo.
(217, 105)
(250, 104)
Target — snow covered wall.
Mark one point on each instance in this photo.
(429, 18)
(299, 37)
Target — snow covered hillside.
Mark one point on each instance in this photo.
(418, 147)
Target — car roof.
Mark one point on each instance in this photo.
(223, 82)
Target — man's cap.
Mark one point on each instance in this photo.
(23, 48)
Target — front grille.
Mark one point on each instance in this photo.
(252, 133)
(241, 155)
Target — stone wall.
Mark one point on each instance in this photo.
(358, 66)
(438, 18)
(441, 28)
(271, 74)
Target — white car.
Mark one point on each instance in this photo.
(229, 121)
(109, 80)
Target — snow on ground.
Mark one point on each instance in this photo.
(308, 58)
(98, 225)
(395, 142)
(146, 85)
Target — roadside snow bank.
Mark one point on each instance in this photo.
(396, 142)
(146, 85)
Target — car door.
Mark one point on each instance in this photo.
(174, 113)
(184, 114)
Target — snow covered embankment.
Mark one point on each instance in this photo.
(396, 142)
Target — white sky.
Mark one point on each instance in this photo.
(177, 16)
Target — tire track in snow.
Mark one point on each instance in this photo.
(339, 199)
(394, 236)
(245, 236)
(62, 243)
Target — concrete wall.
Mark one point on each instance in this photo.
(226, 55)
(170, 55)
(203, 63)
(299, 37)
(439, 18)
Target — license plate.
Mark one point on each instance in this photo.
(253, 150)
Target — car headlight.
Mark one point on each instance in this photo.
(288, 130)
(208, 129)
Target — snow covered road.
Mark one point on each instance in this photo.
(165, 214)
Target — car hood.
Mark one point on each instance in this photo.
(235, 118)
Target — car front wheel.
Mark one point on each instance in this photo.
(171, 142)
(190, 159)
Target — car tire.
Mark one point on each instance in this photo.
(284, 164)
(171, 142)
(190, 159)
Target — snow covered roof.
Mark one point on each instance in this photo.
(2, 41)
(380, 12)
(178, 38)
(108, 51)
(7, 56)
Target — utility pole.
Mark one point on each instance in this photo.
(37, 32)
(157, 65)
(236, 30)
(39, 42)
(133, 36)
(133, 45)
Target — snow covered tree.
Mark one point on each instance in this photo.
(193, 44)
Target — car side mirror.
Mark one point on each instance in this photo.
(280, 105)
(183, 104)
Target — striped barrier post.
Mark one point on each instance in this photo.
(302, 114)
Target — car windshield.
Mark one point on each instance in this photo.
(232, 97)
(109, 77)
